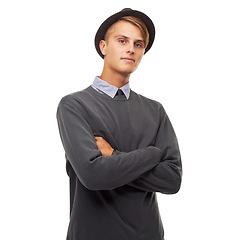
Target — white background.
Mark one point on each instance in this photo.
(197, 69)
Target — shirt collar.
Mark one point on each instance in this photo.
(110, 90)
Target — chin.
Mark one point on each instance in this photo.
(128, 71)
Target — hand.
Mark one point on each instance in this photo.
(104, 146)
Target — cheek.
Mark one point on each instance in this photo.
(113, 53)
(112, 58)
(113, 47)
(139, 57)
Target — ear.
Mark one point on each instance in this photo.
(102, 46)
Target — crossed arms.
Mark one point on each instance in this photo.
(154, 168)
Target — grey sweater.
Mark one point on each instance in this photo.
(113, 198)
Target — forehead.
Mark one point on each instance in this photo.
(124, 28)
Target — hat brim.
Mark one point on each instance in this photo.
(115, 17)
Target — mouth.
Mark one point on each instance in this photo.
(128, 59)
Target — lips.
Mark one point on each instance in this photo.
(128, 59)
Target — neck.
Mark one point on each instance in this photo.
(116, 79)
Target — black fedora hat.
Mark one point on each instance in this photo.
(115, 17)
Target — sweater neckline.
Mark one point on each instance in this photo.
(117, 98)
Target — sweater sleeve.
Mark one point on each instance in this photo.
(93, 170)
(166, 176)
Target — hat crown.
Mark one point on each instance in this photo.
(126, 9)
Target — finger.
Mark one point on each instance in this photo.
(98, 137)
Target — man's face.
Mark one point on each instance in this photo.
(123, 48)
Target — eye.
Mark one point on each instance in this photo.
(122, 41)
(139, 45)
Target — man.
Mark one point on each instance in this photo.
(120, 146)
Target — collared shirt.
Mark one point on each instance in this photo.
(104, 87)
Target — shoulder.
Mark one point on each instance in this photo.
(76, 98)
(75, 104)
(149, 103)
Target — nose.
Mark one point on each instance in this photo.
(130, 48)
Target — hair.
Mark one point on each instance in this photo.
(138, 23)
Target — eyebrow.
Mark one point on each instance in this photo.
(122, 36)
